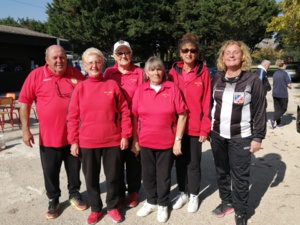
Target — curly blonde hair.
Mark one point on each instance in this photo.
(247, 60)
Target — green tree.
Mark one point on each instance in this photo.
(25, 23)
(100, 23)
(220, 20)
(287, 28)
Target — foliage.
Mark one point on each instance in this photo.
(266, 51)
(155, 26)
(288, 23)
(24, 23)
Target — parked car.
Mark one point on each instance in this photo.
(293, 69)
(298, 118)
(212, 71)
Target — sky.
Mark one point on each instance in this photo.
(31, 9)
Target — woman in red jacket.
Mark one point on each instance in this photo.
(193, 79)
(129, 77)
(159, 119)
(99, 125)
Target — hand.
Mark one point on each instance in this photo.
(177, 148)
(202, 139)
(28, 138)
(255, 146)
(74, 150)
(136, 148)
(124, 143)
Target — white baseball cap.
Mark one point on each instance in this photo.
(121, 43)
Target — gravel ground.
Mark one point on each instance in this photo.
(274, 193)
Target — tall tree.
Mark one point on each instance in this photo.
(287, 27)
(155, 26)
(220, 20)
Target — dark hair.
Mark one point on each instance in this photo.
(189, 38)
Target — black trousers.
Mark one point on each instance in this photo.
(280, 107)
(91, 167)
(52, 159)
(188, 165)
(232, 161)
(133, 174)
(156, 173)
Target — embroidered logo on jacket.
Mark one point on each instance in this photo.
(198, 83)
(74, 80)
(238, 97)
(133, 80)
(107, 92)
(165, 95)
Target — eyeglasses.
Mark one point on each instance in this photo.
(186, 50)
(97, 63)
(64, 95)
(123, 53)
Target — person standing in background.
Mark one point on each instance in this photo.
(193, 78)
(50, 87)
(238, 126)
(262, 72)
(129, 77)
(281, 83)
(99, 127)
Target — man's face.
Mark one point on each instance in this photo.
(56, 60)
(267, 66)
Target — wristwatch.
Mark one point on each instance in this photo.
(177, 139)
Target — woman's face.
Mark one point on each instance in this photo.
(93, 65)
(233, 57)
(188, 53)
(155, 76)
(123, 56)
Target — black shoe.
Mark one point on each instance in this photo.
(222, 210)
(53, 208)
(78, 203)
(240, 219)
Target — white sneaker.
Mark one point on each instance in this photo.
(146, 209)
(193, 204)
(180, 200)
(162, 214)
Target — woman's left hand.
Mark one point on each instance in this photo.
(177, 148)
(74, 150)
(255, 146)
(202, 139)
(124, 143)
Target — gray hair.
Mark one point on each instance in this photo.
(265, 62)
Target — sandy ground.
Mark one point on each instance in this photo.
(274, 193)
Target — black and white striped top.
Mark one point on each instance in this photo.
(238, 106)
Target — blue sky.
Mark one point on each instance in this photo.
(32, 9)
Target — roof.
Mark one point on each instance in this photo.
(23, 31)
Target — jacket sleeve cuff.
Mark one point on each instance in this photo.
(257, 140)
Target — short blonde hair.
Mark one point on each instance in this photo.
(279, 62)
(92, 51)
(247, 60)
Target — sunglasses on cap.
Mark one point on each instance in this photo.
(186, 50)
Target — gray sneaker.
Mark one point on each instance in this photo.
(222, 210)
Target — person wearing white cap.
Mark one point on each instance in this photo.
(129, 77)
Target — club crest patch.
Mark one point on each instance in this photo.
(74, 80)
(238, 97)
